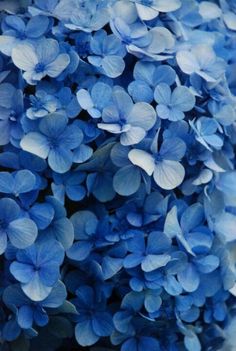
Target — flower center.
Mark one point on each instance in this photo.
(158, 158)
(53, 142)
(146, 2)
(40, 67)
(12, 115)
(3, 224)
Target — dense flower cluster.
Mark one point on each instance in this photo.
(117, 175)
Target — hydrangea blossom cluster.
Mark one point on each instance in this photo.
(118, 175)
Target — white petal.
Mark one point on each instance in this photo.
(143, 160)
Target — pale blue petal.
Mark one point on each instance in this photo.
(127, 180)
(168, 174)
(24, 57)
(143, 160)
(22, 232)
(84, 333)
(36, 144)
(189, 278)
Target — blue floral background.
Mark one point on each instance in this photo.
(117, 175)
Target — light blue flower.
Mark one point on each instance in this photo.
(201, 60)
(42, 104)
(147, 76)
(40, 60)
(15, 31)
(95, 101)
(149, 9)
(206, 133)
(172, 105)
(164, 164)
(107, 54)
(54, 140)
(131, 121)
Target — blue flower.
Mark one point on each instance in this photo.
(42, 104)
(155, 44)
(164, 165)
(141, 344)
(15, 31)
(40, 60)
(17, 183)
(21, 231)
(54, 222)
(147, 76)
(149, 9)
(86, 15)
(37, 268)
(151, 256)
(172, 105)
(30, 312)
(201, 60)
(130, 120)
(54, 140)
(206, 133)
(89, 233)
(107, 54)
(11, 107)
(69, 184)
(94, 321)
(95, 101)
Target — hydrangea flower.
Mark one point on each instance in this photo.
(164, 164)
(29, 312)
(149, 9)
(147, 76)
(172, 105)
(93, 322)
(117, 175)
(40, 61)
(54, 141)
(151, 257)
(37, 268)
(15, 31)
(107, 54)
(21, 231)
(201, 60)
(130, 120)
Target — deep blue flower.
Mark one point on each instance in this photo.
(30, 312)
(89, 234)
(94, 321)
(21, 231)
(37, 268)
(151, 256)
